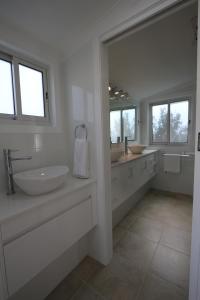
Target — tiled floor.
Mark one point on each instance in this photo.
(151, 256)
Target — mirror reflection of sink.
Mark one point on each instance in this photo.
(41, 181)
(136, 148)
(116, 152)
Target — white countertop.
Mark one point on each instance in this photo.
(130, 157)
(13, 205)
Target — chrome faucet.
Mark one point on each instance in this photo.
(9, 169)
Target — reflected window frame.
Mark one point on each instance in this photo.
(15, 61)
(168, 103)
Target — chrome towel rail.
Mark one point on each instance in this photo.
(179, 154)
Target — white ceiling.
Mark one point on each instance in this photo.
(63, 24)
(156, 58)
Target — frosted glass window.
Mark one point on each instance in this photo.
(115, 125)
(123, 124)
(179, 112)
(128, 116)
(6, 90)
(159, 123)
(31, 87)
(170, 122)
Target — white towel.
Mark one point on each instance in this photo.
(172, 163)
(81, 158)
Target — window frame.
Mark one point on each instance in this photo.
(168, 102)
(15, 61)
(122, 123)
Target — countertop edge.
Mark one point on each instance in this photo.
(47, 198)
(119, 163)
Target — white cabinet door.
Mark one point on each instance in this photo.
(28, 255)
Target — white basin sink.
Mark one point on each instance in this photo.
(116, 151)
(136, 148)
(41, 181)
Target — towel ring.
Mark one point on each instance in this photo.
(81, 126)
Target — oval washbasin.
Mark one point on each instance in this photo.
(136, 148)
(41, 181)
(116, 152)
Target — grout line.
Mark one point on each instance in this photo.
(96, 291)
(76, 292)
(147, 273)
(171, 248)
(90, 288)
(170, 282)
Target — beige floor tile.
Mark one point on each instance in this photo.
(177, 239)
(66, 289)
(136, 249)
(128, 221)
(156, 288)
(184, 208)
(86, 293)
(112, 287)
(126, 270)
(87, 268)
(177, 220)
(172, 266)
(150, 229)
(118, 233)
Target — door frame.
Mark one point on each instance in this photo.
(103, 128)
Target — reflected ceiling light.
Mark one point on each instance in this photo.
(116, 94)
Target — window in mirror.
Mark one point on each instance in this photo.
(123, 124)
(115, 125)
(170, 122)
(128, 116)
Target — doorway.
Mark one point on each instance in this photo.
(125, 90)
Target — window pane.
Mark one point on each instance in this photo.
(31, 85)
(159, 123)
(179, 122)
(129, 123)
(115, 125)
(6, 90)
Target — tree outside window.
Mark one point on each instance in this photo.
(170, 122)
(123, 124)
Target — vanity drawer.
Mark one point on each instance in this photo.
(27, 221)
(28, 255)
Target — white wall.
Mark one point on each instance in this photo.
(82, 108)
(79, 91)
(183, 182)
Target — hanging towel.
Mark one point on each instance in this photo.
(172, 163)
(81, 158)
